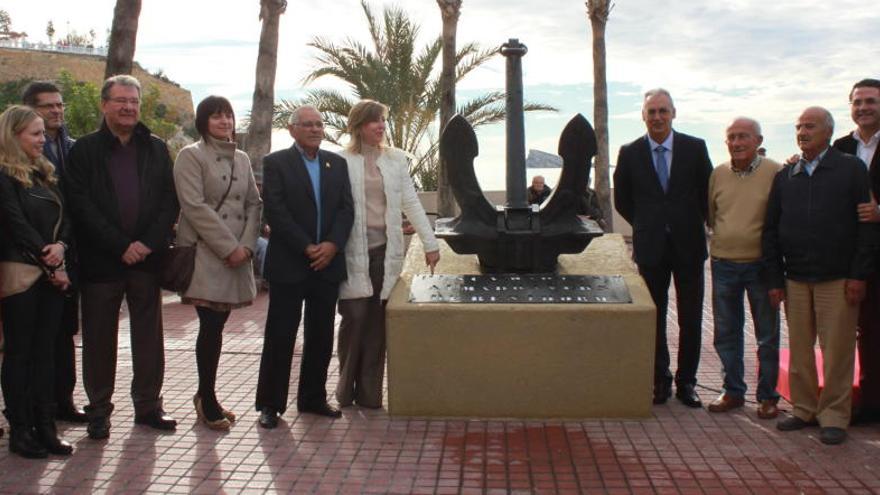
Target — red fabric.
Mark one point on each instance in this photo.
(782, 385)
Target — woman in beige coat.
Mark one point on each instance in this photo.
(382, 190)
(220, 214)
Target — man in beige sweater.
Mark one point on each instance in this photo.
(738, 192)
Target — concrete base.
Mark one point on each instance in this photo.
(525, 360)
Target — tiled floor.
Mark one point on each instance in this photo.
(678, 450)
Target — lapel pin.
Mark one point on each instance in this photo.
(327, 164)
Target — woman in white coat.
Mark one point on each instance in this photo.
(382, 190)
(220, 214)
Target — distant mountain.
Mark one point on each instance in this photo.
(541, 159)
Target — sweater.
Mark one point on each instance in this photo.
(737, 206)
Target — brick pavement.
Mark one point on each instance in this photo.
(678, 450)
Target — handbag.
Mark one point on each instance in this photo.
(179, 262)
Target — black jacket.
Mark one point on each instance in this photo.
(849, 145)
(812, 231)
(28, 218)
(653, 214)
(290, 210)
(95, 209)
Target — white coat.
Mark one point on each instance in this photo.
(400, 197)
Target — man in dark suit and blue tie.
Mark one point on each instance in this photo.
(661, 188)
(307, 202)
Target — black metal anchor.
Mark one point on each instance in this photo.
(517, 237)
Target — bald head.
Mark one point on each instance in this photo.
(814, 129)
(743, 138)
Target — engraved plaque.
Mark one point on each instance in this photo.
(537, 288)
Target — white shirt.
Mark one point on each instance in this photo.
(864, 150)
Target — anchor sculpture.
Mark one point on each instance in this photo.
(517, 237)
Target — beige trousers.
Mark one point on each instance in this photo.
(820, 310)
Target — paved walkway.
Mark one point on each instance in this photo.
(678, 450)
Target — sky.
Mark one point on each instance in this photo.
(766, 60)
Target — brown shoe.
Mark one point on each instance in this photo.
(768, 409)
(726, 402)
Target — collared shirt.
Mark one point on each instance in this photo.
(748, 170)
(808, 166)
(313, 167)
(667, 143)
(864, 150)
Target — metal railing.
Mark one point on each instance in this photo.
(47, 47)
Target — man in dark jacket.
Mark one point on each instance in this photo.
(817, 255)
(307, 201)
(121, 193)
(45, 98)
(661, 188)
(864, 100)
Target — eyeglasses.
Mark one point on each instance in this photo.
(59, 106)
(122, 101)
(311, 125)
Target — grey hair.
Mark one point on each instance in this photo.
(294, 115)
(659, 91)
(829, 119)
(122, 80)
(752, 122)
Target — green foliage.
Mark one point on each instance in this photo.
(10, 92)
(154, 113)
(82, 104)
(50, 31)
(394, 71)
(5, 22)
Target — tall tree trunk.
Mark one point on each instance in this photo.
(123, 38)
(259, 135)
(450, 10)
(598, 11)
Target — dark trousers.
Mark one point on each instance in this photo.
(361, 347)
(65, 357)
(689, 288)
(282, 321)
(30, 322)
(100, 335)
(869, 348)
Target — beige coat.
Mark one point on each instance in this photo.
(201, 176)
(400, 197)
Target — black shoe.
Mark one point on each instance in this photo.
(662, 392)
(47, 435)
(688, 396)
(323, 409)
(71, 414)
(831, 435)
(268, 418)
(99, 428)
(23, 443)
(793, 423)
(156, 419)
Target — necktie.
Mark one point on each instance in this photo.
(662, 168)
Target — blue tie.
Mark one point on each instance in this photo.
(662, 168)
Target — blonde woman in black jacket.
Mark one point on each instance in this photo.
(34, 235)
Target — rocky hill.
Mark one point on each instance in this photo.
(16, 64)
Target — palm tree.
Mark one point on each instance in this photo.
(450, 10)
(598, 11)
(123, 38)
(392, 72)
(259, 136)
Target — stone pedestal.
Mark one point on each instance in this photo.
(522, 360)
